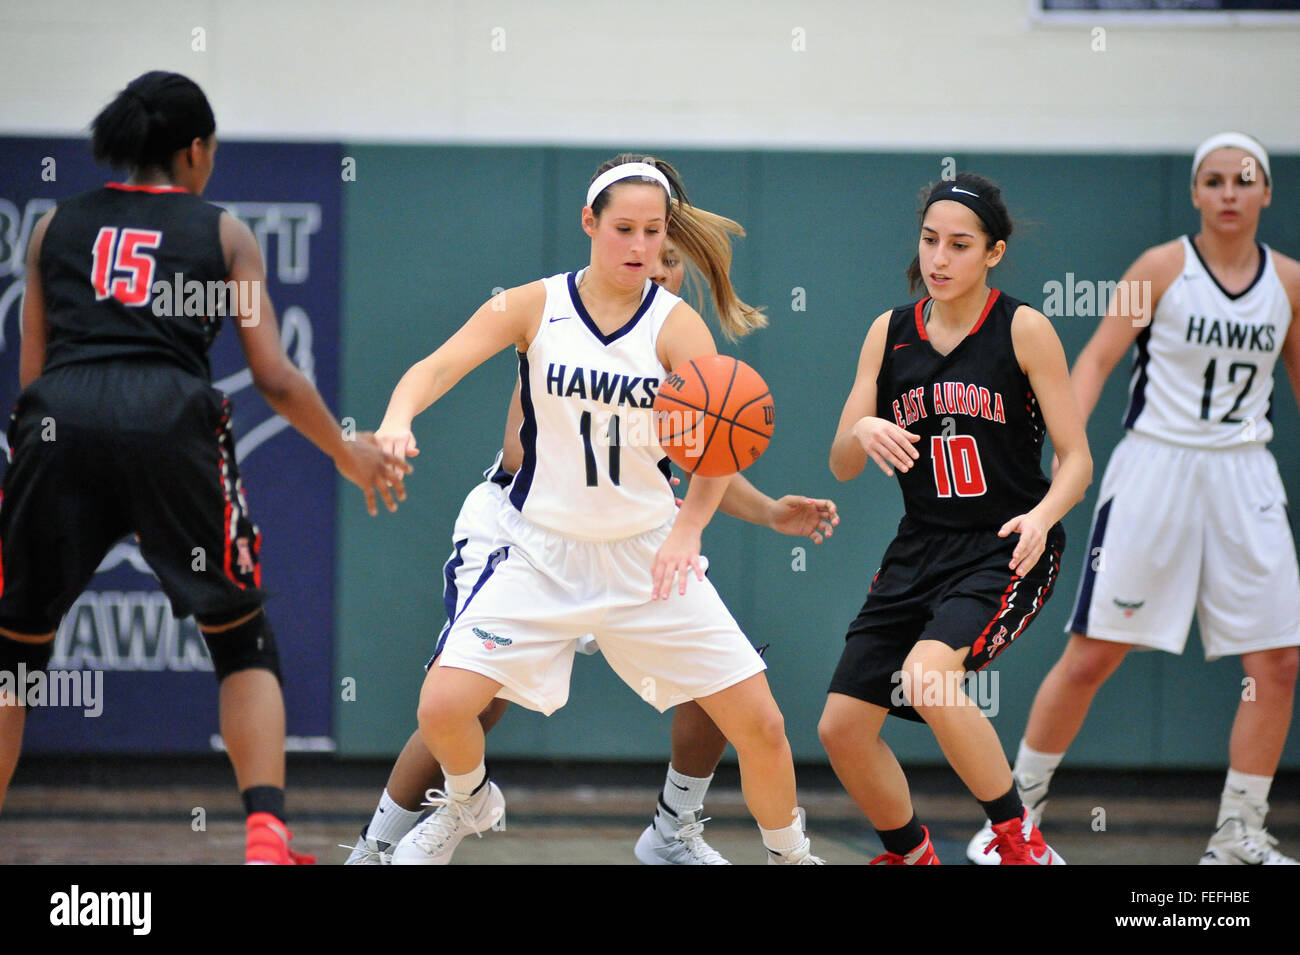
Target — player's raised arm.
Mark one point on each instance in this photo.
(794, 514)
(861, 435)
(287, 390)
(683, 337)
(510, 318)
(1142, 285)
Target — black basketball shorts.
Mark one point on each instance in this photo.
(952, 586)
(103, 450)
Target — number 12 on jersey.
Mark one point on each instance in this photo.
(957, 466)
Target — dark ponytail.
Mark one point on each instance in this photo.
(157, 114)
(995, 223)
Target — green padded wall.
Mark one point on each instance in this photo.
(431, 231)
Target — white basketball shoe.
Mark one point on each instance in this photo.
(433, 841)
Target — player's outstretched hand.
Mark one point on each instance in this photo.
(802, 516)
(886, 443)
(1033, 538)
(366, 464)
(677, 555)
(398, 442)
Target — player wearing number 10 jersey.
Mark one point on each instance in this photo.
(956, 393)
(1191, 514)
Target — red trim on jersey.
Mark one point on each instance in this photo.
(920, 315)
(988, 307)
(126, 188)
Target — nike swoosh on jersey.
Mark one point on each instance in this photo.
(560, 318)
(903, 345)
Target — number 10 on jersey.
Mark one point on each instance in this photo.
(957, 466)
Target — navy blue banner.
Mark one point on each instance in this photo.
(146, 683)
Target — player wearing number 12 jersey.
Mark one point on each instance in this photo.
(955, 392)
(1191, 514)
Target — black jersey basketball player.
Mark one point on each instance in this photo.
(955, 392)
(143, 442)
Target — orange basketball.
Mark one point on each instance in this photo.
(715, 416)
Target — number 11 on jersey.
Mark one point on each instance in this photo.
(584, 428)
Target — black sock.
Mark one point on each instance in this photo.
(1006, 807)
(264, 799)
(903, 840)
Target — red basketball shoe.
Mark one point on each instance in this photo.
(1019, 842)
(921, 855)
(268, 843)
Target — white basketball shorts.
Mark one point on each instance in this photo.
(1178, 530)
(472, 540)
(540, 592)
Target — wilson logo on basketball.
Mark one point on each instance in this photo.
(490, 640)
(714, 415)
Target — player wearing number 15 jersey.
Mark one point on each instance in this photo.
(1191, 514)
(956, 393)
(119, 431)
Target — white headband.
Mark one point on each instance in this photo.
(1236, 141)
(628, 170)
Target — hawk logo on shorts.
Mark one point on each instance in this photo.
(1129, 608)
(999, 638)
(490, 640)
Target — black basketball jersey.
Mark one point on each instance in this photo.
(981, 429)
(134, 272)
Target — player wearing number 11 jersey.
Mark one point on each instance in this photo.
(1191, 515)
(955, 392)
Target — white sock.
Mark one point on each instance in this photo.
(784, 840)
(1033, 766)
(460, 787)
(1242, 790)
(685, 793)
(390, 821)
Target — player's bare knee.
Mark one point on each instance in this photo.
(835, 733)
(1276, 669)
(248, 645)
(1089, 663)
(440, 716)
(764, 730)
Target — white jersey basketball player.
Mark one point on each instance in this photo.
(1191, 514)
(592, 541)
(675, 835)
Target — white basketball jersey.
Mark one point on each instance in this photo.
(1203, 374)
(592, 467)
